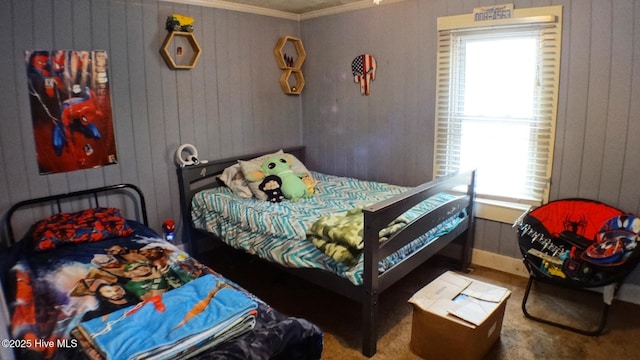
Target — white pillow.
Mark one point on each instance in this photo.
(235, 180)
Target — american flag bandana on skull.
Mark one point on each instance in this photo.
(363, 68)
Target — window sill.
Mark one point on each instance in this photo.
(500, 211)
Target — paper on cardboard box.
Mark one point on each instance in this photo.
(471, 309)
(453, 294)
(486, 292)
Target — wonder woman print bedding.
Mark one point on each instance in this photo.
(129, 294)
(277, 232)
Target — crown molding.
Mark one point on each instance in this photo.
(220, 4)
(338, 9)
(365, 4)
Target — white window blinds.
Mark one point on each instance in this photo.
(496, 101)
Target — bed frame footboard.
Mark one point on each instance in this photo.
(193, 179)
(377, 216)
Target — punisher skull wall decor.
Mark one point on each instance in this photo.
(363, 68)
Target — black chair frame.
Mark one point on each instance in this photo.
(602, 322)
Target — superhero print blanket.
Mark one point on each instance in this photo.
(138, 296)
(204, 311)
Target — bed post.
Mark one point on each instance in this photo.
(370, 323)
(370, 287)
(185, 205)
(467, 248)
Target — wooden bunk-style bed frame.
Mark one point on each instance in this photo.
(193, 179)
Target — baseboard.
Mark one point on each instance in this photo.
(628, 292)
(499, 262)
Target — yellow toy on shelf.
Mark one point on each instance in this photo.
(178, 22)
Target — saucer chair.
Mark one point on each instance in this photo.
(580, 244)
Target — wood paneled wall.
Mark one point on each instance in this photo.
(388, 136)
(229, 104)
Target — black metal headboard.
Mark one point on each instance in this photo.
(195, 178)
(96, 198)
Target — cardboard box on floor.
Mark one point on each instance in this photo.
(455, 317)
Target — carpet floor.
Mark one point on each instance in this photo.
(521, 338)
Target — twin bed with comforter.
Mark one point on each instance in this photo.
(354, 237)
(91, 284)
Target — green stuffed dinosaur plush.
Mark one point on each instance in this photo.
(293, 187)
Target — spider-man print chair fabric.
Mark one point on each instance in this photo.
(579, 243)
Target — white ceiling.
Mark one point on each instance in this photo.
(290, 9)
(295, 6)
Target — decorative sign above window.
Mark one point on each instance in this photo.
(493, 12)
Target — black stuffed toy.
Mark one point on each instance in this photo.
(272, 186)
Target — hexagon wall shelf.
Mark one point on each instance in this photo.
(287, 86)
(279, 54)
(170, 44)
(290, 66)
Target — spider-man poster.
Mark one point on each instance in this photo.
(71, 109)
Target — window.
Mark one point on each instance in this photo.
(497, 88)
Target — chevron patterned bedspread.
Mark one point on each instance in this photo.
(277, 231)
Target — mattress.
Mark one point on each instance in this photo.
(277, 232)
